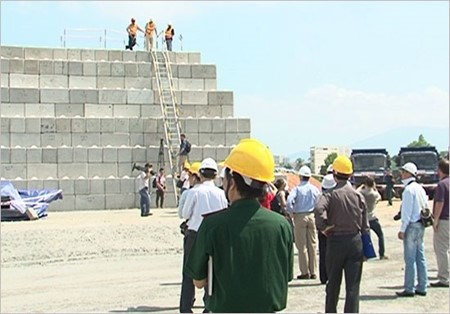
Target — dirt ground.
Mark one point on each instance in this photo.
(116, 261)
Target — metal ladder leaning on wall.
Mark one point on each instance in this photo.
(169, 110)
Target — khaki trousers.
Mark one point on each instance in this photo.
(306, 242)
(441, 248)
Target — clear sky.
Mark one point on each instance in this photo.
(307, 73)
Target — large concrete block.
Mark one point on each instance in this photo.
(121, 125)
(51, 184)
(110, 154)
(136, 125)
(184, 71)
(74, 54)
(194, 57)
(211, 153)
(191, 84)
(75, 68)
(115, 55)
(112, 186)
(143, 56)
(101, 55)
(17, 125)
(194, 98)
(89, 202)
(124, 154)
(220, 98)
(50, 95)
(34, 155)
(78, 125)
(196, 154)
(13, 171)
(127, 186)
(16, 66)
(102, 170)
(80, 154)
(151, 111)
(82, 186)
(18, 155)
(20, 184)
(5, 123)
(5, 80)
(178, 57)
(49, 155)
(117, 69)
(98, 110)
(69, 110)
(122, 110)
(95, 155)
(41, 171)
(66, 204)
(46, 67)
(231, 125)
(31, 66)
(73, 170)
(63, 125)
(144, 69)
(107, 82)
(120, 201)
(227, 111)
(128, 56)
(86, 139)
(114, 139)
(4, 96)
(93, 125)
(139, 154)
(234, 138)
(61, 67)
(187, 111)
(83, 96)
(67, 185)
(60, 54)
(152, 154)
(5, 139)
(33, 125)
(24, 95)
(138, 82)
(12, 52)
(5, 155)
(243, 125)
(136, 139)
(104, 68)
(35, 184)
(85, 82)
(48, 125)
(25, 140)
(152, 138)
(38, 53)
(131, 69)
(107, 125)
(97, 186)
(65, 154)
(87, 55)
(4, 65)
(204, 125)
(218, 126)
(204, 71)
(24, 80)
(112, 96)
(213, 139)
(208, 111)
(210, 84)
(222, 153)
(53, 81)
(140, 97)
(89, 68)
(55, 140)
(39, 110)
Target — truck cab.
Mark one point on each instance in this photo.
(426, 159)
(373, 163)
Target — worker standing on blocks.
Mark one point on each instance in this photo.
(132, 30)
(231, 245)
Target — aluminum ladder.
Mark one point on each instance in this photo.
(169, 110)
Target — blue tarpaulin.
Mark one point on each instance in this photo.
(20, 200)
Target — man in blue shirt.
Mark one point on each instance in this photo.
(412, 232)
(301, 203)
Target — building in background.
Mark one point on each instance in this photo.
(318, 154)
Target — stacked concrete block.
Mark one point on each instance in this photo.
(77, 119)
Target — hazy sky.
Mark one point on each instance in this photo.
(307, 73)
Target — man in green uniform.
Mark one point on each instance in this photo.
(250, 248)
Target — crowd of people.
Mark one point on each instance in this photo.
(229, 228)
(150, 32)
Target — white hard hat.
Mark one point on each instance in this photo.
(330, 169)
(411, 168)
(209, 163)
(305, 171)
(328, 182)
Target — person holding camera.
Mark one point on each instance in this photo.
(144, 178)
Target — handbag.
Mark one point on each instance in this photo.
(368, 249)
(426, 216)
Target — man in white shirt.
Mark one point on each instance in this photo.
(201, 199)
(143, 178)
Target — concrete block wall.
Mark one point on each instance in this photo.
(77, 119)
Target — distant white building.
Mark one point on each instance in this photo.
(319, 154)
(280, 160)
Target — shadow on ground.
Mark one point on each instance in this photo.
(143, 308)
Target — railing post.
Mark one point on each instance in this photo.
(104, 46)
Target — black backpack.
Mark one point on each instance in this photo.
(188, 147)
(154, 183)
(275, 204)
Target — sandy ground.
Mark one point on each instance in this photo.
(116, 261)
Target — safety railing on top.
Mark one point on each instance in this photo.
(94, 37)
(169, 109)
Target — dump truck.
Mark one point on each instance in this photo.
(426, 159)
(370, 162)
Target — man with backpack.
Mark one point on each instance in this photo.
(183, 154)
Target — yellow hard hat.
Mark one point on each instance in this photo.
(195, 167)
(253, 159)
(343, 164)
